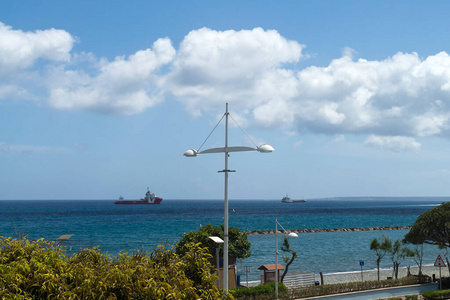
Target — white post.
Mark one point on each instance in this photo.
(218, 266)
(247, 269)
(225, 224)
(362, 276)
(276, 259)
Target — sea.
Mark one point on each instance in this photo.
(128, 228)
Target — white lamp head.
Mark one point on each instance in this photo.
(191, 153)
(292, 234)
(216, 239)
(265, 148)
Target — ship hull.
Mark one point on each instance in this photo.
(157, 200)
(294, 201)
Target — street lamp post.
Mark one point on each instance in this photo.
(193, 153)
(292, 234)
(247, 270)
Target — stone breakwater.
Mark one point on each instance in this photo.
(328, 230)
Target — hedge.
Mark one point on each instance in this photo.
(40, 270)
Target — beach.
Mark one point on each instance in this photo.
(369, 275)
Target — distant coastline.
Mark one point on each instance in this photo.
(329, 229)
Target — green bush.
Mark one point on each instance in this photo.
(262, 291)
(445, 283)
(444, 294)
(40, 270)
(411, 297)
(328, 289)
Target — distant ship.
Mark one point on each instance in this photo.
(286, 199)
(150, 198)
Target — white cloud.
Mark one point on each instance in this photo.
(394, 143)
(19, 50)
(430, 124)
(255, 71)
(244, 68)
(125, 85)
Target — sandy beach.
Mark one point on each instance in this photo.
(369, 275)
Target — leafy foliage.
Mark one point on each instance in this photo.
(238, 245)
(40, 270)
(262, 291)
(417, 255)
(431, 227)
(380, 248)
(329, 289)
(397, 253)
(286, 247)
(444, 294)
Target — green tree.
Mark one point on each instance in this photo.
(238, 245)
(381, 247)
(432, 227)
(446, 257)
(417, 255)
(395, 257)
(398, 252)
(286, 247)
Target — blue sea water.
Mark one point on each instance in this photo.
(116, 228)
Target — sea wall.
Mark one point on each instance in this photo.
(328, 229)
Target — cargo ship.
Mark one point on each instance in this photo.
(289, 200)
(150, 198)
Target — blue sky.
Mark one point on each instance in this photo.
(101, 98)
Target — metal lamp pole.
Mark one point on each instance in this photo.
(276, 259)
(292, 234)
(217, 240)
(225, 222)
(193, 153)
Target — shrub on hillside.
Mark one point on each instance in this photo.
(40, 270)
(262, 291)
(328, 289)
(436, 295)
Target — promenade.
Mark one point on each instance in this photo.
(369, 275)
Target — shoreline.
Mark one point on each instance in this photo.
(314, 230)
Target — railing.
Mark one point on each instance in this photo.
(299, 280)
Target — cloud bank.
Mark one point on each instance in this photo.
(20, 50)
(395, 143)
(393, 101)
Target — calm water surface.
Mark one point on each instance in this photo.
(118, 228)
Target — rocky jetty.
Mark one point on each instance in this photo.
(328, 229)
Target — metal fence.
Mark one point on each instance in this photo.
(299, 280)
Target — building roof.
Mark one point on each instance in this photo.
(271, 267)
